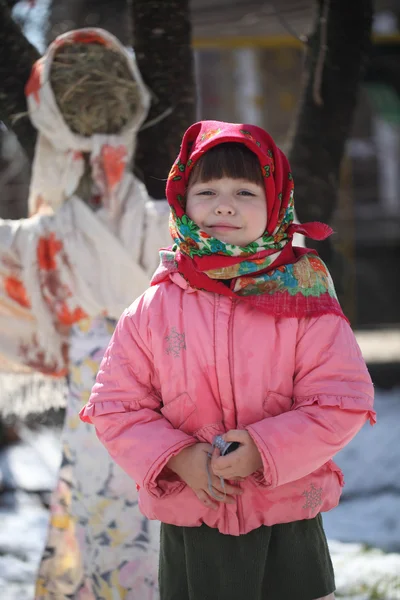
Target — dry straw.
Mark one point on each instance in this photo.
(94, 88)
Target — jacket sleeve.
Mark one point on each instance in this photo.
(332, 399)
(125, 408)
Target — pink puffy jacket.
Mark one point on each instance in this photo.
(185, 365)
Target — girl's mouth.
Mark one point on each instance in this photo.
(223, 227)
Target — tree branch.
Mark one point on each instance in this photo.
(322, 128)
(162, 42)
(337, 56)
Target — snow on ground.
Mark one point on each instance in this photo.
(369, 511)
(32, 467)
(364, 530)
(365, 574)
(22, 532)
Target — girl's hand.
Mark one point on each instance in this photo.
(239, 463)
(191, 466)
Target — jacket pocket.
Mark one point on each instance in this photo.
(276, 404)
(337, 470)
(181, 412)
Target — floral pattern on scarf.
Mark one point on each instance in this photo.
(269, 272)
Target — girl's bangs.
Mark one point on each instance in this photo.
(229, 159)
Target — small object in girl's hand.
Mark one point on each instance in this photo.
(225, 447)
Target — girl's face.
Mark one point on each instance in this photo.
(231, 210)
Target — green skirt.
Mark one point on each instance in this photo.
(290, 561)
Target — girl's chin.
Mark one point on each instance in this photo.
(233, 236)
(230, 239)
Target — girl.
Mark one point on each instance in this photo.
(66, 274)
(239, 336)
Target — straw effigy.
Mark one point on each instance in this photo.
(94, 88)
(97, 94)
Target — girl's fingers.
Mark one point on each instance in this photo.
(206, 499)
(232, 490)
(227, 472)
(222, 497)
(221, 464)
(227, 489)
(224, 462)
(207, 448)
(217, 487)
(230, 473)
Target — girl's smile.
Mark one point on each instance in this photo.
(223, 227)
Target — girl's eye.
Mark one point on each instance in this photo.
(245, 193)
(205, 193)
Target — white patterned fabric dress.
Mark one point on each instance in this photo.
(99, 546)
(73, 259)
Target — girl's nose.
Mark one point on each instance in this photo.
(222, 209)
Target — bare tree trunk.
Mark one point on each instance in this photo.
(17, 56)
(162, 41)
(14, 177)
(337, 55)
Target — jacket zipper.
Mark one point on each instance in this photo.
(230, 350)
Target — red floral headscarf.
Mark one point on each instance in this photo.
(269, 272)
